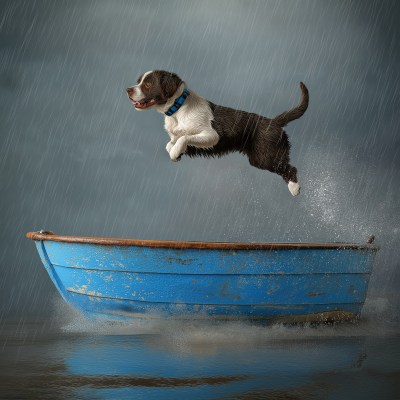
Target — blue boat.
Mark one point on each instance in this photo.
(263, 282)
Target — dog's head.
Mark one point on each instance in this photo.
(153, 88)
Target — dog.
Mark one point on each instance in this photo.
(199, 128)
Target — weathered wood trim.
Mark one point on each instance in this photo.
(200, 245)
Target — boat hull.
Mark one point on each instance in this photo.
(288, 284)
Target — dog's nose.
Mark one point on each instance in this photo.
(130, 91)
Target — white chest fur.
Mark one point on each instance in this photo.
(190, 125)
(193, 117)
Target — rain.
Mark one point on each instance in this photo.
(77, 159)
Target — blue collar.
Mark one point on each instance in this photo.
(178, 103)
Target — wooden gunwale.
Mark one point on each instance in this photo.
(200, 245)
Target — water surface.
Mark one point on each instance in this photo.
(64, 358)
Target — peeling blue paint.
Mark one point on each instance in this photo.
(132, 281)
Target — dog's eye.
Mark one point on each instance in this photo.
(148, 84)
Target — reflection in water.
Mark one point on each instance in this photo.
(142, 362)
(74, 358)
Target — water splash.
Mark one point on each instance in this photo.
(187, 336)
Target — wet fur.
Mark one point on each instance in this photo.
(202, 129)
(263, 142)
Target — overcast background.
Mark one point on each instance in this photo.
(78, 159)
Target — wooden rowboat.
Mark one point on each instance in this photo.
(264, 282)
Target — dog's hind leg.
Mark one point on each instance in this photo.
(286, 171)
(294, 188)
(289, 175)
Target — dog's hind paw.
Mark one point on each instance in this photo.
(294, 188)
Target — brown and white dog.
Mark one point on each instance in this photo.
(201, 128)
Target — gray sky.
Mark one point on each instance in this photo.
(76, 158)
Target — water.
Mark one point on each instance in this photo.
(67, 357)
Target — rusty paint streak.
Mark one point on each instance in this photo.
(313, 294)
(351, 289)
(175, 260)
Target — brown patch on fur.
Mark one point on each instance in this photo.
(149, 87)
(159, 85)
(168, 83)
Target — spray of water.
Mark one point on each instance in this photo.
(206, 337)
(337, 201)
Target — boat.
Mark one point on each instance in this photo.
(121, 279)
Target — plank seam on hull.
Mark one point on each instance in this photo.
(207, 304)
(222, 274)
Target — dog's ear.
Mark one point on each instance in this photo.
(169, 84)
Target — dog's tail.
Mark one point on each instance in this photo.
(288, 116)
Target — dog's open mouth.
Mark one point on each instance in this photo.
(143, 103)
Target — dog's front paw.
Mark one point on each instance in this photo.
(175, 155)
(170, 145)
(294, 188)
(177, 159)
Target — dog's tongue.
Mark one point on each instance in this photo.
(143, 104)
